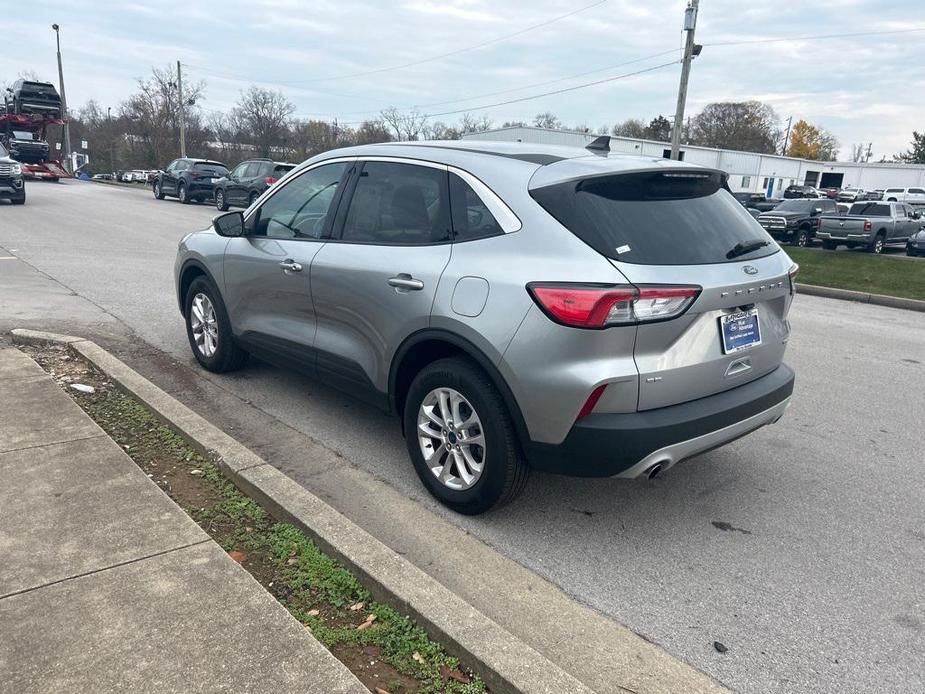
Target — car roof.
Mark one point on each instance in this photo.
(543, 164)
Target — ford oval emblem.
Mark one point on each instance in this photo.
(750, 270)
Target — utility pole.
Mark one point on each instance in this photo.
(180, 111)
(690, 50)
(67, 129)
(787, 137)
(112, 141)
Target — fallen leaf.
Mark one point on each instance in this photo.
(417, 656)
(368, 623)
(720, 647)
(357, 607)
(314, 613)
(81, 388)
(292, 560)
(239, 557)
(196, 472)
(446, 673)
(380, 690)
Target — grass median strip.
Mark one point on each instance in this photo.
(861, 272)
(386, 650)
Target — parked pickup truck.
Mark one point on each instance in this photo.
(870, 224)
(914, 196)
(796, 220)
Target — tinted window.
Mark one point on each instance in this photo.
(894, 190)
(398, 204)
(300, 209)
(471, 217)
(870, 209)
(806, 206)
(829, 206)
(210, 169)
(917, 191)
(281, 170)
(655, 218)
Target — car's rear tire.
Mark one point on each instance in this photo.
(801, 238)
(220, 203)
(469, 478)
(829, 245)
(209, 330)
(158, 193)
(876, 246)
(182, 195)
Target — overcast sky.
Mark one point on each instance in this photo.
(863, 89)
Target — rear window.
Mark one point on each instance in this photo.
(205, 167)
(656, 218)
(281, 170)
(870, 209)
(806, 206)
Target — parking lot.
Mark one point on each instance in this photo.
(801, 548)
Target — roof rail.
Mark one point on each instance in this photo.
(599, 144)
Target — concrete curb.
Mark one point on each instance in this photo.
(503, 661)
(862, 297)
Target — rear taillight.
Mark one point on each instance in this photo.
(270, 180)
(867, 226)
(600, 306)
(792, 273)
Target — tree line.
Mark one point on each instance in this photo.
(143, 131)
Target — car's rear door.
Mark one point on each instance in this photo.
(374, 282)
(680, 229)
(267, 272)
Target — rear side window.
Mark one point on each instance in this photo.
(398, 205)
(471, 216)
(656, 218)
(870, 209)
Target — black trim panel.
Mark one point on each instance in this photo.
(602, 445)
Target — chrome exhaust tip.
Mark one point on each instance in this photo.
(654, 471)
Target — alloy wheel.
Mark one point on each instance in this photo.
(204, 325)
(451, 438)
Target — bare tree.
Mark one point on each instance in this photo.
(406, 126)
(858, 152)
(631, 127)
(438, 130)
(548, 120)
(370, 132)
(750, 126)
(474, 124)
(264, 115)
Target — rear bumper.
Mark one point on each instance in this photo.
(627, 445)
(863, 237)
(197, 188)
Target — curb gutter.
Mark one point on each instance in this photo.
(862, 297)
(504, 662)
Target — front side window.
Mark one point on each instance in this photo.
(398, 204)
(301, 208)
(471, 217)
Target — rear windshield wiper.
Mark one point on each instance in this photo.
(746, 247)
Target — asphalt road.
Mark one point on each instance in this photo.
(800, 547)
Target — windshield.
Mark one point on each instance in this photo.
(656, 218)
(796, 206)
(3, 152)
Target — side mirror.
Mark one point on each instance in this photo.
(230, 224)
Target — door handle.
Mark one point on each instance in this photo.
(290, 265)
(405, 281)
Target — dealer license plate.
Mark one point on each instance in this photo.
(740, 330)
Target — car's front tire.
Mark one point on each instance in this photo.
(158, 193)
(801, 238)
(461, 439)
(209, 330)
(221, 204)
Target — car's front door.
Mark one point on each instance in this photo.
(374, 283)
(267, 272)
(233, 186)
(168, 177)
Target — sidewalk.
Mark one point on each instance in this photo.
(106, 585)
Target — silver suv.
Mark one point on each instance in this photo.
(517, 306)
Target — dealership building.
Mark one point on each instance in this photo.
(747, 171)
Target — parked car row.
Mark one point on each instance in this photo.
(194, 180)
(913, 196)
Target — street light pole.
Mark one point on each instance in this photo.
(180, 111)
(67, 129)
(690, 24)
(112, 141)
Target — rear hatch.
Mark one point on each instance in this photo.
(681, 227)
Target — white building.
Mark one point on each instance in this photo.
(747, 171)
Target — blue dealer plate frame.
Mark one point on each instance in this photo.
(740, 331)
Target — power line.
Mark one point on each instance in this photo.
(441, 56)
(486, 95)
(816, 37)
(539, 96)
